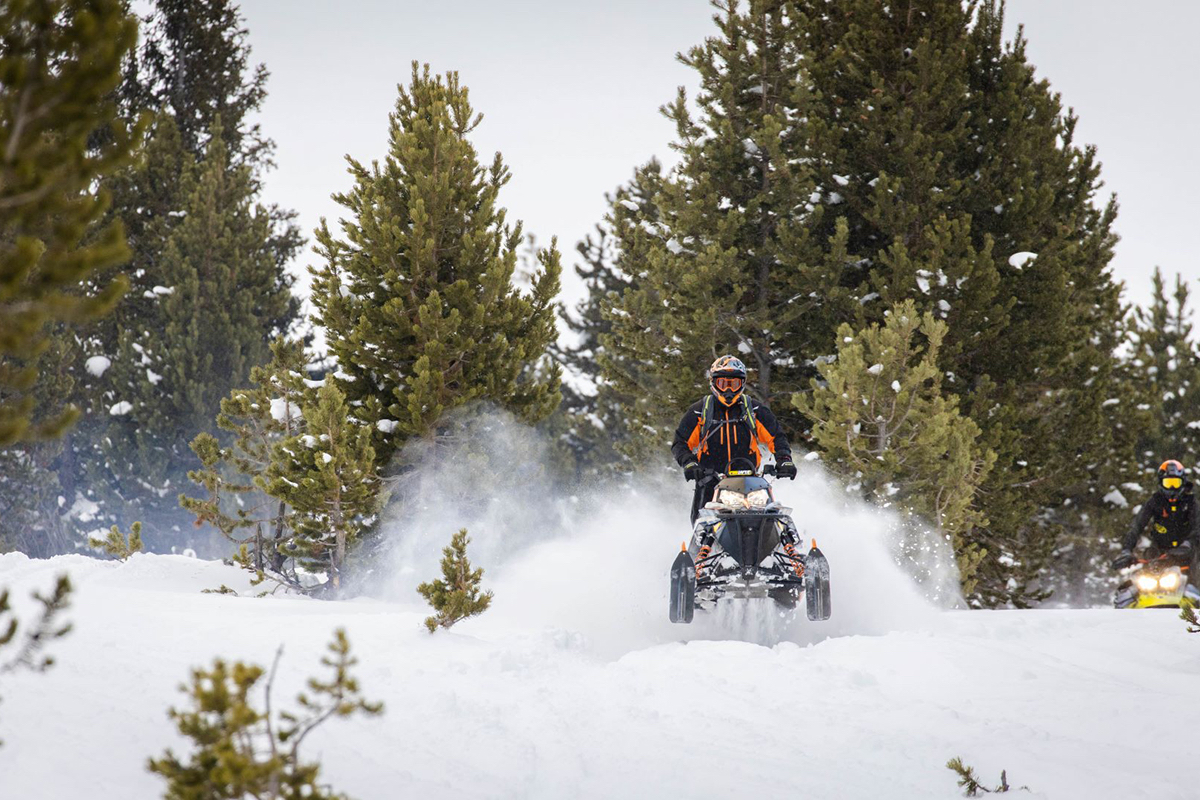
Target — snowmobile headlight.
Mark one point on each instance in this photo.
(758, 498)
(1147, 583)
(1169, 581)
(728, 497)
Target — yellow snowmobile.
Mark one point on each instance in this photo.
(1161, 582)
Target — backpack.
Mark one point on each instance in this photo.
(708, 425)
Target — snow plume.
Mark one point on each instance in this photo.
(589, 564)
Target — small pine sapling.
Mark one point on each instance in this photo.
(1188, 615)
(970, 784)
(243, 751)
(119, 545)
(236, 500)
(456, 596)
(45, 629)
(326, 476)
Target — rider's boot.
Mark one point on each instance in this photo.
(789, 541)
(701, 547)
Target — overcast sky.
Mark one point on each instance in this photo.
(570, 93)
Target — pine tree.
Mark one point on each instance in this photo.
(234, 478)
(191, 72)
(722, 258)
(33, 518)
(241, 750)
(59, 61)
(1165, 364)
(956, 173)
(207, 324)
(195, 65)
(326, 475)
(881, 419)
(455, 596)
(417, 299)
(193, 76)
(1101, 512)
(297, 487)
(853, 155)
(590, 425)
(1153, 413)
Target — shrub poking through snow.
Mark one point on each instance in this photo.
(1188, 615)
(44, 630)
(456, 596)
(970, 784)
(30, 645)
(244, 751)
(119, 545)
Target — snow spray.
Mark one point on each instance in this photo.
(591, 562)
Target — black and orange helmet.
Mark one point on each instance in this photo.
(727, 379)
(1170, 475)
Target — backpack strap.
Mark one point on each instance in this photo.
(749, 416)
(708, 425)
(706, 420)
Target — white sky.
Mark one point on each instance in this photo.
(570, 94)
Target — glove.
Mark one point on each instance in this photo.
(1182, 550)
(1122, 561)
(691, 471)
(786, 469)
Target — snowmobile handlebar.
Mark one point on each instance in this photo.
(714, 476)
(1176, 559)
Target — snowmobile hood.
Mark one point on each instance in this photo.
(744, 484)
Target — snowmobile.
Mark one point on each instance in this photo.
(744, 546)
(1160, 582)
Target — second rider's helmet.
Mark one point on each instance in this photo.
(727, 379)
(1170, 475)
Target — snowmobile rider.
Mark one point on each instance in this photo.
(724, 427)
(1176, 524)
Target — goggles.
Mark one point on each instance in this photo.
(728, 384)
(1172, 483)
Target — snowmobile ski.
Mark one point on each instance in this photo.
(683, 588)
(816, 584)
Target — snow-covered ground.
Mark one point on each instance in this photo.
(574, 684)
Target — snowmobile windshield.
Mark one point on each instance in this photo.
(743, 492)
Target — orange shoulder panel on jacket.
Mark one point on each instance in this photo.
(765, 436)
(694, 439)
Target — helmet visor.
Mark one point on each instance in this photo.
(728, 384)
(1172, 483)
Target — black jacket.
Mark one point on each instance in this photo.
(1172, 516)
(728, 435)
